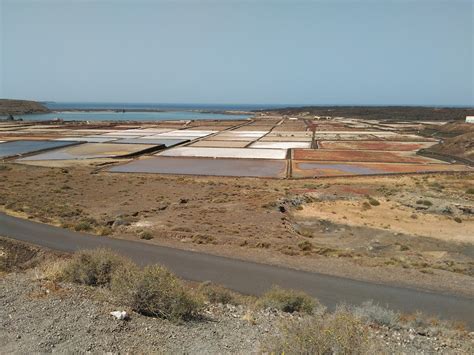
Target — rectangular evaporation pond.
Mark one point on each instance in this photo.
(207, 128)
(206, 166)
(86, 139)
(148, 131)
(253, 128)
(220, 144)
(124, 134)
(408, 138)
(94, 131)
(183, 137)
(156, 141)
(220, 137)
(14, 148)
(359, 156)
(304, 169)
(244, 153)
(250, 134)
(186, 133)
(345, 137)
(197, 132)
(350, 132)
(94, 151)
(290, 134)
(269, 138)
(375, 145)
(280, 145)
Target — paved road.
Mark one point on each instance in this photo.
(243, 276)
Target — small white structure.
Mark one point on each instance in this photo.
(469, 119)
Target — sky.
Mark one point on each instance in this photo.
(380, 52)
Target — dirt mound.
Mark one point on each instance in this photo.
(18, 256)
(461, 146)
(18, 107)
(452, 129)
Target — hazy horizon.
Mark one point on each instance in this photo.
(285, 53)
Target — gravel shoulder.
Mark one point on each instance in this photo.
(39, 316)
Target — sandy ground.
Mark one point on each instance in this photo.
(393, 216)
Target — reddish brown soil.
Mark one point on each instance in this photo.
(358, 156)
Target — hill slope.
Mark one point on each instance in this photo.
(18, 107)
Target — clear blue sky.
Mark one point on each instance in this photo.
(285, 52)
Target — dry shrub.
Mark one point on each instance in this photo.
(217, 294)
(53, 269)
(337, 333)
(373, 201)
(305, 246)
(93, 267)
(373, 313)
(288, 301)
(146, 235)
(156, 292)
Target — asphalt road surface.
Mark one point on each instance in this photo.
(243, 276)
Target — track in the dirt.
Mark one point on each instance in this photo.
(243, 276)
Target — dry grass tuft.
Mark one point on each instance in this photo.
(289, 301)
(337, 333)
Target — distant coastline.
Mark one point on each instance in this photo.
(31, 110)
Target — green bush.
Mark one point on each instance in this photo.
(337, 333)
(288, 301)
(156, 292)
(93, 267)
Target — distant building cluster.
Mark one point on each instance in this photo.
(469, 119)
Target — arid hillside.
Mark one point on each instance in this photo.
(457, 140)
(405, 113)
(18, 107)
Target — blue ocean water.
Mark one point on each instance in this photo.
(169, 111)
(128, 116)
(156, 106)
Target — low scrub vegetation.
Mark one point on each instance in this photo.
(156, 292)
(372, 201)
(289, 301)
(337, 333)
(426, 203)
(375, 314)
(146, 235)
(305, 246)
(218, 294)
(151, 291)
(93, 267)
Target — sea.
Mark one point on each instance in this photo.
(103, 111)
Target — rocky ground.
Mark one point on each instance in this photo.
(39, 315)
